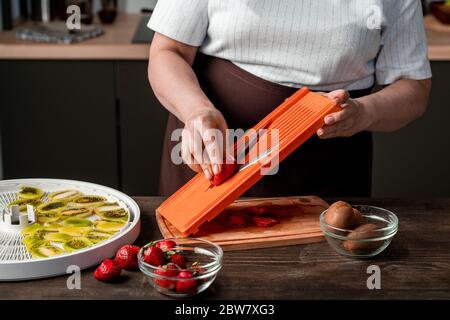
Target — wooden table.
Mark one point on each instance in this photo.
(416, 265)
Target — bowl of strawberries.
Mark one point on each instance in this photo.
(180, 268)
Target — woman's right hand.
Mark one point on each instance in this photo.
(204, 141)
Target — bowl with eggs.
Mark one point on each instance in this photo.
(359, 231)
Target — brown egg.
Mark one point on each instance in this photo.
(341, 215)
(358, 217)
(364, 231)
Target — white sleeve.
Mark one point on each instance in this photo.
(404, 51)
(185, 21)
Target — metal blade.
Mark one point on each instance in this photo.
(258, 158)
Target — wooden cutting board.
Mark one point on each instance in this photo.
(299, 225)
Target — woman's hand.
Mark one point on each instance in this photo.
(203, 141)
(353, 118)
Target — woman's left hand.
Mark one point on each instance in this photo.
(353, 117)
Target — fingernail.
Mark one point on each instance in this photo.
(216, 169)
(320, 132)
(208, 174)
(329, 120)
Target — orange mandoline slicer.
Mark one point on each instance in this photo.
(296, 119)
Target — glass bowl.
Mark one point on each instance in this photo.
(203, 262)
(364, 244)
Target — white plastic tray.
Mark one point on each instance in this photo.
(23, 267)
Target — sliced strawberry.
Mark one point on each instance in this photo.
(178, 260)
(184, 285)
(166, 245)
(166, 271)
(264, 222)
(108, 271)
(236, 220)
(228, 170)
(126, 257)
(154, 256)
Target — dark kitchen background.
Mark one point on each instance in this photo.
(85, 111)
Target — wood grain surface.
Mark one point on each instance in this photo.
(415, 266)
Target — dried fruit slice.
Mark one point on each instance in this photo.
(64, 195)
(30, 230)
(109, 226)
(52, 226)
(48, 217)
(75, 231)
(22, 203)
(88, 201)
(45, 251)
(77, 222)
(57, 237)
(97, 236)
(111, 211)
(77, 244)
(76, 213)
(33, 241)
(48, 207)
(30, 193)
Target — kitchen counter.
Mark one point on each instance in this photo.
(416, 265)
(116, 44)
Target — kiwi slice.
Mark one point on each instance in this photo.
(77, 244)
(45, 250)
(48, 217)
(54, 206)
(75, 231)
(76, 213)
(22, 203)
(64, 195)
(34, 241)
(97, 236)
(111, 211)
(30, 230)
(88, 201)
(30, 193)
(52, 226)
(109, 226)
(77, 222)
(57, 237)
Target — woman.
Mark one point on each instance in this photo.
(218, 64)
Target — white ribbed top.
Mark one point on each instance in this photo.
(323, 44)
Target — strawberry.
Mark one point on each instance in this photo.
(166, 245)
(199, 270)
(186, 286)
(154, 256)
(178, 260)
(109, 270)
(264, 222)
(228, 170)
(166, 271)
(257, 210)
(126, 257)
(236, 220)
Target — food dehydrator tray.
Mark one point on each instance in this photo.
(17, 264)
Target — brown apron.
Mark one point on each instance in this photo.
(339, 167)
